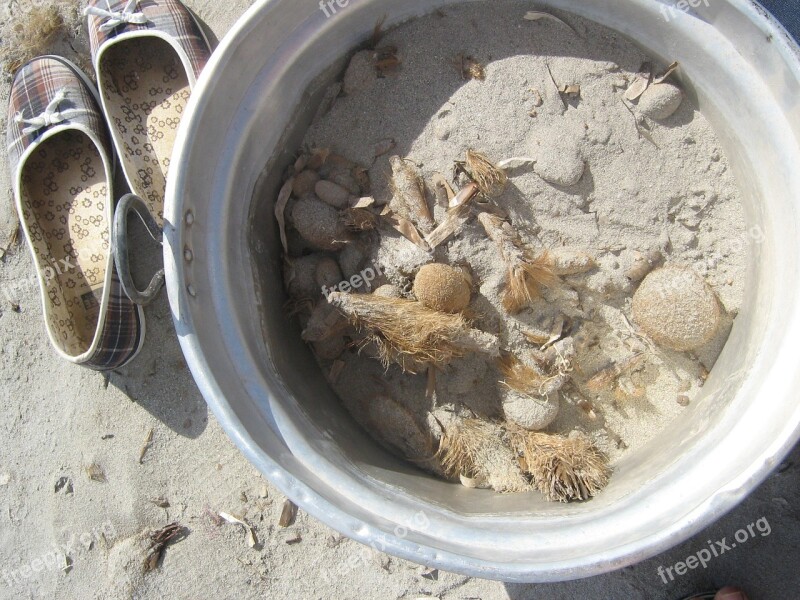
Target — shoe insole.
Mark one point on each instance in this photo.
(146, 89)
(64, 205)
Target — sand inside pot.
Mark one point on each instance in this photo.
(610, 189)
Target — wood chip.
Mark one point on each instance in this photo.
(148, 441)
(280, 211)
(288, 514)
(430, 389)
(573, 90)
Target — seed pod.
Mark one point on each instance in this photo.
(442, 287)
(677, 309)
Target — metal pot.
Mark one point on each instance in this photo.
(249, 113)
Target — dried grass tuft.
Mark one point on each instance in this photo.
(490, 178)
(359, 219)
(524, 279)
(562, 468)
(476, 450)
(32, 31)
(409, 334)
(520, 377)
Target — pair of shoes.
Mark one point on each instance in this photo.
(147, 56)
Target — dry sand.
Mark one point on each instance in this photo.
(56, 418)
(668, 191)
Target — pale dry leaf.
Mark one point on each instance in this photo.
(405, 228)
(515, 162)
(534, 15)
(288, 514)
(670, 70)
(280, 211)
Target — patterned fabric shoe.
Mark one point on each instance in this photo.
(62, 173)
(148, 55)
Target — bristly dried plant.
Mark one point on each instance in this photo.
(490, 179)
(411, 335)
(525, 273)
(471, 68)
(33, 29)
(562, 468)
(530, 381)
(475, 449)
(408, 194)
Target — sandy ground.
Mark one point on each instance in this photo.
(58, 419)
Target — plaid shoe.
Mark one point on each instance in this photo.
(62, 173)
(148, 55)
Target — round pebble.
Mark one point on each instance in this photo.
(304, 183)
(319, 224)
(388, 291)
(660, 101)
(529, 413)
(332, 193)
(677, 309)
(560, 166)
(442, 287)
(328, 273)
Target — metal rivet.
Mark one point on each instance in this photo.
(187, 254)
(189, 217)
(191, 290)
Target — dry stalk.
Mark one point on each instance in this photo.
(411, 335)
(562, 468)
(476, 450)
(408, 198)
(525, 273)
(606, 379)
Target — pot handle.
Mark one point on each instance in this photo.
(119, 241)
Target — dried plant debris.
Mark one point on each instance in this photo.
(397, 427)
(606, 379)
(562, 468)
(525, 272)
(490, 178)
(411, 335)
(148, 441)
(386, 60)
(159, 540)
(33, 29)
(408, 198)
(252, 540)
(475, 449)
(458, 215)
(95, 473)
(64, 483)
(280, 210)
(471, 68)
(640, 83)
(538, 16)
(538, 379)
(288, 514)
(405, 228)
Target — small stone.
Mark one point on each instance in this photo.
(560, 166)
(300, 276)
(351, 260)
(331, 348)
(347, 181)
(442, 287)
(660, 101)
(683, 400)
(332, 193)
(530, 413)
(388, 291)
(304, 183)
(677, 309)
(361, 74)
(328, 274)
(319, 224)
